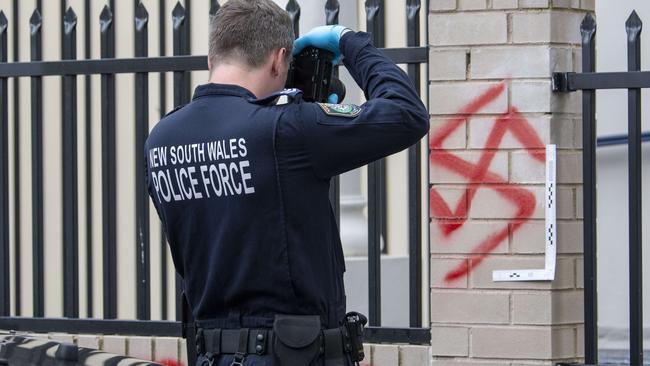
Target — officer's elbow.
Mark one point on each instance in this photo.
(420, 121)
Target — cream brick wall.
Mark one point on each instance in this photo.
(492, 113)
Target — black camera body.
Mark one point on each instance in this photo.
(312, 72)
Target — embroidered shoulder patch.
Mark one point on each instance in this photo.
(341, 110)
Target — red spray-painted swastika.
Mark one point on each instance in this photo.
(479, 175)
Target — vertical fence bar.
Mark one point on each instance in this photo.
(89, 168)
(38, 284)
(181, 96)
(62, 8)
(162, 42)
(294, 13)
(17, 164)
(181, 47)
(415, 177)
(376, 187)
(214, 8)
(633, 28)
(180, 22)
(588, 32)
(142, 198)
(332, 9)
(107, 50)
(5, 305)
(70, 183)
(187, 4)
(375, 21)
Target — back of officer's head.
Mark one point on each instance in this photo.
(247, 31)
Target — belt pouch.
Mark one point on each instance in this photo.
(297, 339)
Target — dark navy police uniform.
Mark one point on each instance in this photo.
(242, 188)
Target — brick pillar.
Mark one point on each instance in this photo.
(493, 112)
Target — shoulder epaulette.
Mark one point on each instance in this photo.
(292, 94)
(174, 110)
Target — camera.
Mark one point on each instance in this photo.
(312, 72)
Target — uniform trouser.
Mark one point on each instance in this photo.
(251, 360)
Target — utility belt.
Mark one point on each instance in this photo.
(295, 340)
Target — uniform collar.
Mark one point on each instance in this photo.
(222, 89)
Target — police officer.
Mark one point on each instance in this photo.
(241, 185)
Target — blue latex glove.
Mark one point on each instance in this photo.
(333, 99)
(326, 37)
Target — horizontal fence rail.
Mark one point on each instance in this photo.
(571, 81)
(589, 81)
(70, 70)
(404, 55)
(622, 139)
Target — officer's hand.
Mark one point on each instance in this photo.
(326, 37)
(333, 99)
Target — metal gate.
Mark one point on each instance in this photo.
(180, 64)
(589, 81)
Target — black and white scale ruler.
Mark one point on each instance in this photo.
(548, 272)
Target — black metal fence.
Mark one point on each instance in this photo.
(180, 64)
(589, 81)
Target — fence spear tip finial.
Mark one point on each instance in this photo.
(214, 8)
(178, 15)
(413, 3)
(36, 17)
(332, 5)
(588, 23)
(69, 20)
(105, 18)
(292, 6)
(70, 15)
(106, 13)
(412, 8)
(141, 17)
(633, 23)
(141, 11)
(372, 4)
(178, 10)
(3, 21)
(332, 8)
(35, 21)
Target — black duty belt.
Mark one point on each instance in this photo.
(214, 342)
(227, 341)
(295, 340)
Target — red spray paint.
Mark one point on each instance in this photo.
(170, 362)
(479, 175)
